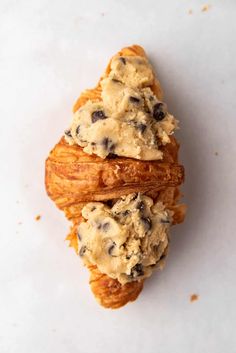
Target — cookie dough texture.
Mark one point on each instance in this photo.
(129, 121)
(125, 241)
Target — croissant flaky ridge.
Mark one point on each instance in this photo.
(74, 178)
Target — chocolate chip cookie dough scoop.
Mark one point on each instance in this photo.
(115, 174)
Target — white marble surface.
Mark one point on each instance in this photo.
(49, 52)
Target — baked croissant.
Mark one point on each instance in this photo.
(117, 186)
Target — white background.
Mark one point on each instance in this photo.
(49, 52)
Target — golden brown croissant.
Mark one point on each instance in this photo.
(74, 178)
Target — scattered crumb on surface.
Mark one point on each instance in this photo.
(190, 12)
(194, 297)
(205, 8)
(38, 217)
(216, 153)
(19, 223)
(17, 202)
(102, 14)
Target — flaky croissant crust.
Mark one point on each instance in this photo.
(74, 178)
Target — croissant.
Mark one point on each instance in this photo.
(78, 180)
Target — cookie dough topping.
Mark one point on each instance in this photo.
(129, 121)
(125, 241)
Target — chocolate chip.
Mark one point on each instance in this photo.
(112, 156)
(112, 147)
(82, 250)
(151, 98)
(163, 256)
(141, 127)
(167, 221)
(108, 144)
(79, 236)
(125, 213)
(93, 209)
(93, 143)
(98, 115)
(122, 214)
(68, 133)
(140, 206)
(137, 270)
(105, 142)
(122, 60)
(77, 130)
(106, 226)
(147, 222)
(115, 80)
(111, 248)
(134, 99)
(109, 203)
(134, 197)
(158, 113)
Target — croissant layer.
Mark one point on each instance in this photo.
(73, 176)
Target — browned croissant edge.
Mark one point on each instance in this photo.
(69, 169)
(73, 176)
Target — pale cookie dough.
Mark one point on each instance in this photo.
(126, 241)
(133, 71)
(129, 121)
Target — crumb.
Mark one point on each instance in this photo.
(190, 12)
(194, 297)
(38, 217)
(216, 153)
(205, 8)
(102, 14)
(19, 223)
